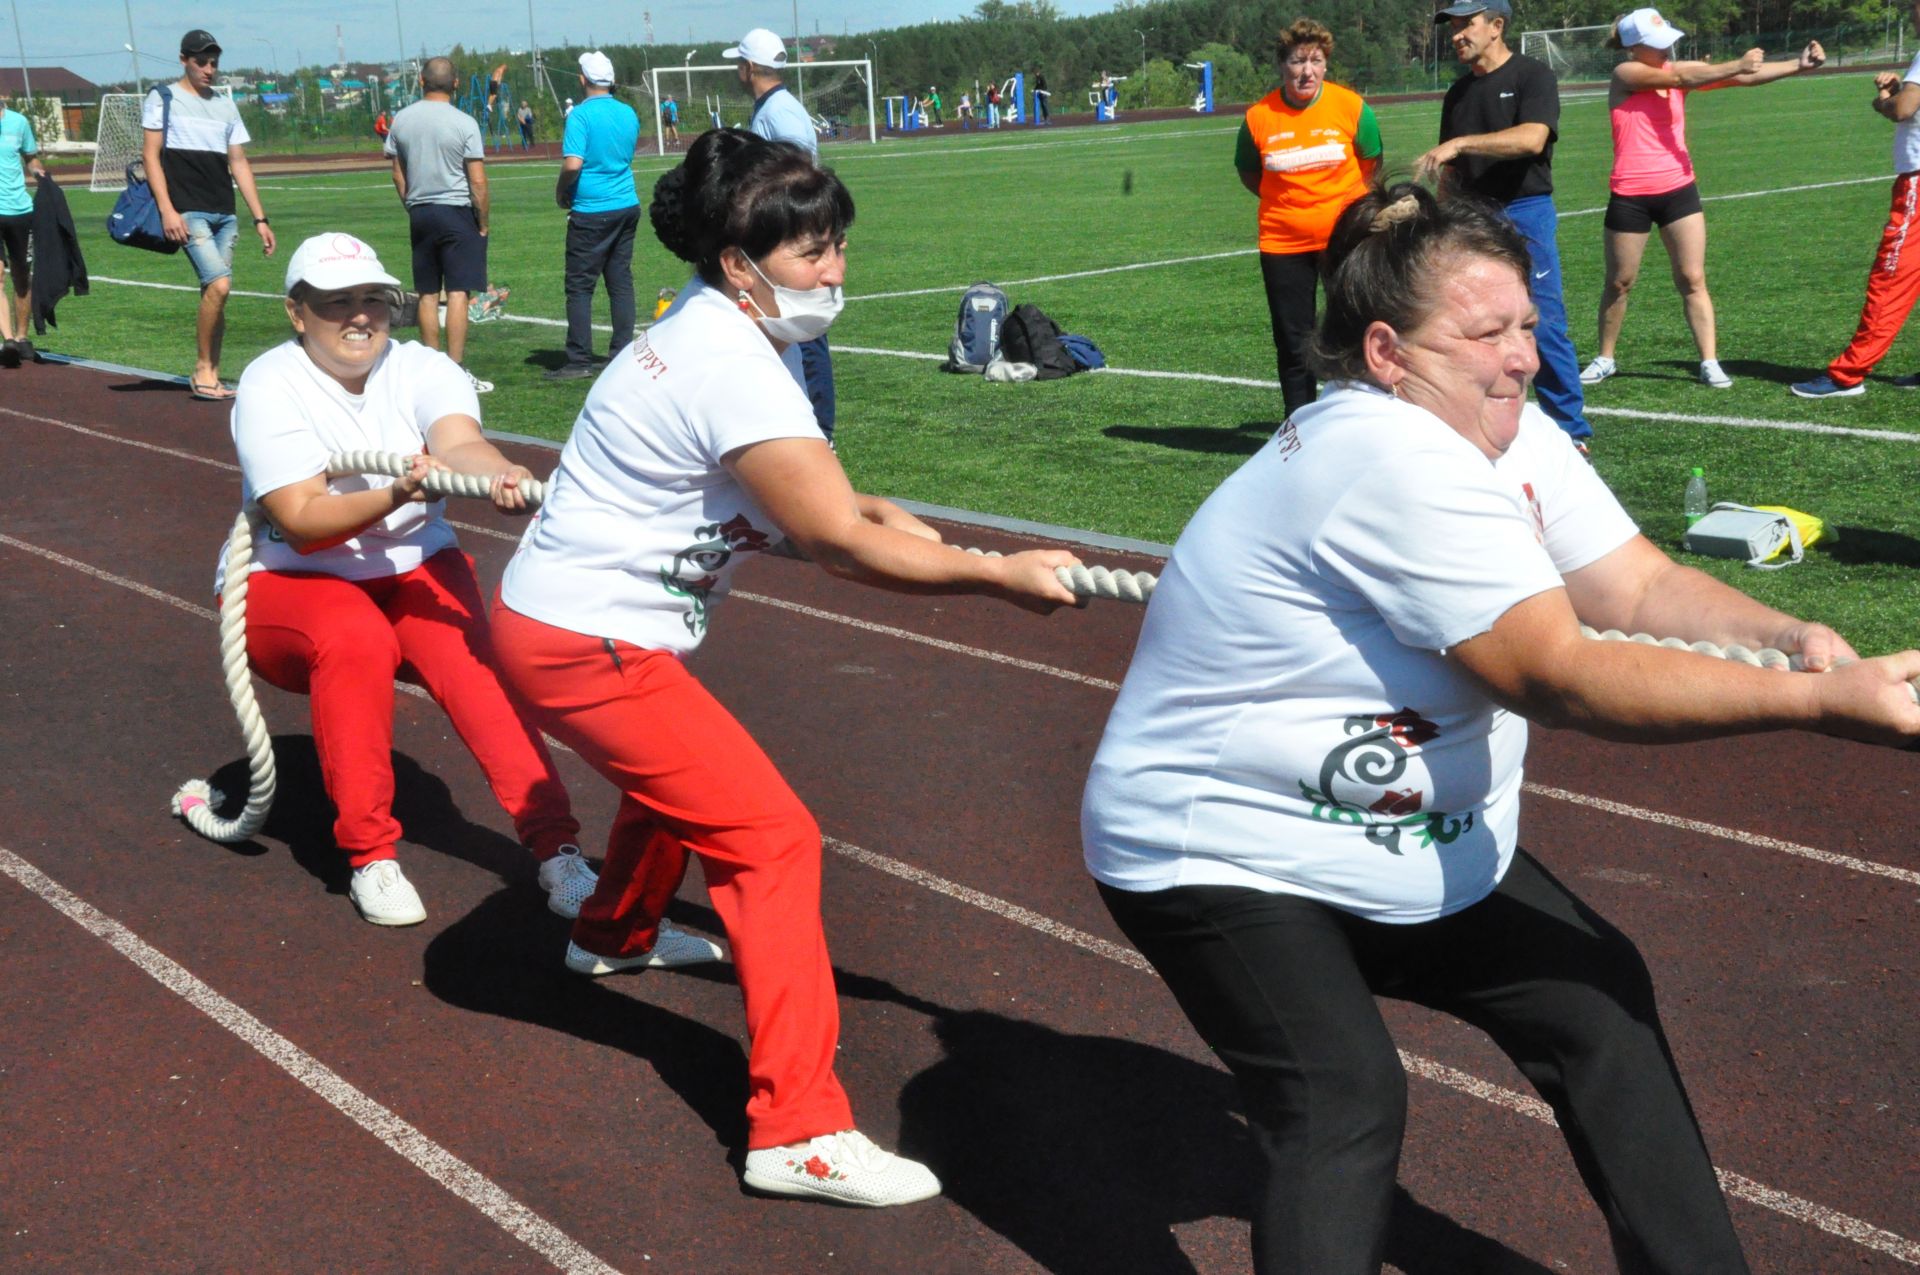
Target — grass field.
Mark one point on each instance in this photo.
(1133, 456)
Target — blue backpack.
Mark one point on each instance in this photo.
(976, 333)
(135, 220)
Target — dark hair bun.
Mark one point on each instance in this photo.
(668, 215)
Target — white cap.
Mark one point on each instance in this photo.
(597, 69)
(1646, 26)
(760, 47)
(334, 261)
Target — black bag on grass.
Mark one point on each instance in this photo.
(1031, 337)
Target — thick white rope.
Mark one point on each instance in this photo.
(196, 799)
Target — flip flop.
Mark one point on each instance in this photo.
(217, 394)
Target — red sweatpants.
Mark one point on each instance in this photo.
(342, 643)
(1893, 285)
(694, 782)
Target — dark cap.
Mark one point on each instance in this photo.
(198, 42)
(1467, 8)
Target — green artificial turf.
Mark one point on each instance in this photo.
(1134, 456)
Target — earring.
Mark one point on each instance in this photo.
(744, 302)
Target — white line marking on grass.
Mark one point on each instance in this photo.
(1826, 1219)
(274, 296)
(1738, 1185)
(1054, 278)
(1758, 422)
(1749, 194)
(1754, 839)
(411, 1145)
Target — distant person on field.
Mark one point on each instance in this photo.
(19, 159)
(963, 111)
(381, 125)
(1307, 149)
(195, 155)
(933, 104)
(1652, 180)
(566, 108)
(525, 118)
(1497, 128)
(596, 187)
(1894, 282)
(670, 120)
(993, 106)
(1040, 96)
(779, 117)
(440, 170)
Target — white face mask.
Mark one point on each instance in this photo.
(805, 314)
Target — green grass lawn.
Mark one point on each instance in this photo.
(1134, 456)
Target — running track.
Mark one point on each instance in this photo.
(208, 1063)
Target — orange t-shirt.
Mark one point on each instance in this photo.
(1309, 159)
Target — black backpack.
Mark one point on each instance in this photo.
(1031, 337)
(976, 333)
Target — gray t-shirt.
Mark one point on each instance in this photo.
(433, 141)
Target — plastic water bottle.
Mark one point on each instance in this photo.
(1694, 502)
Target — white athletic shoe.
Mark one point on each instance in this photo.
(1710, 374)
(844, 1167)
(673, 948)
(479, 386)
(567, 880)
(1599, 370)
(384, 895)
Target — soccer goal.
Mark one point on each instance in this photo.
(1575, 54)
(838, 97)
(120, 139)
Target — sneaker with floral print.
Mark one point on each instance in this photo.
(844, 1167)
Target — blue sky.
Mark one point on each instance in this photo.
(86, 36)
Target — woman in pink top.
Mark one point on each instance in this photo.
(1652, 180)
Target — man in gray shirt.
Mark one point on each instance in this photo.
(439, 168)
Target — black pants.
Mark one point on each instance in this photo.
(1291, 279)
(816, 360)
(1283, 989)
(599, 245)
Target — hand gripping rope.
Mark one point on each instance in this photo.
(196, 799)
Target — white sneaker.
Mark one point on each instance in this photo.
(567, 880)
(384, 895)
(845, 1167)
(1599, 370)
(1710, 374)
(479, 386)
(673, 948)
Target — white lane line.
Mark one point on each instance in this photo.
(1836, 1223)
(409, 1143)
(1054, 278)
(1756, 422)
(1737, 1185)
(143, 445)
(146, 591)
(1754, 839)
(1751, 194)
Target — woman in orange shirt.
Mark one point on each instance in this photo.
(1307, 149)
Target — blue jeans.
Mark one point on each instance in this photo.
(210, 239)
(1557, 384)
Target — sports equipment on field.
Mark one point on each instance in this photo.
(838, 96)
(119, 139)
(1574, 54)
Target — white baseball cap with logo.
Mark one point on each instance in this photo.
(1646, 26)
(596, 68)
(760, 47)
(336, 261)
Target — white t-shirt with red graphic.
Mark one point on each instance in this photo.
(1288, 722)
(643, 526)
(289, 416)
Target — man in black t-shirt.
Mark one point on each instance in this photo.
(1497, 129)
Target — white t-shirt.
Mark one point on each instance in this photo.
(1906, 134)
(289, 417)
(643, 526)
(1288, 722)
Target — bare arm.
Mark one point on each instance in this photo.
(243, 178)
(800, 484)
(1810, 57)
(1518, 142)
(563, 189)
(477, 183)
(1636, 77)
(400, 179)
(457, 443)
(171, 223)
(311, 518)
(1894, 99)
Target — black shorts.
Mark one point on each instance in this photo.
(448, 249)
(1638, 214)
(15, 232)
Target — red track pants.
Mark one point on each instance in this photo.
(1892, 287)
(342, 643)
(694, 782)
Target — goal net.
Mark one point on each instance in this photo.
(838, 97)
(119, 138)
(1575, 54)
